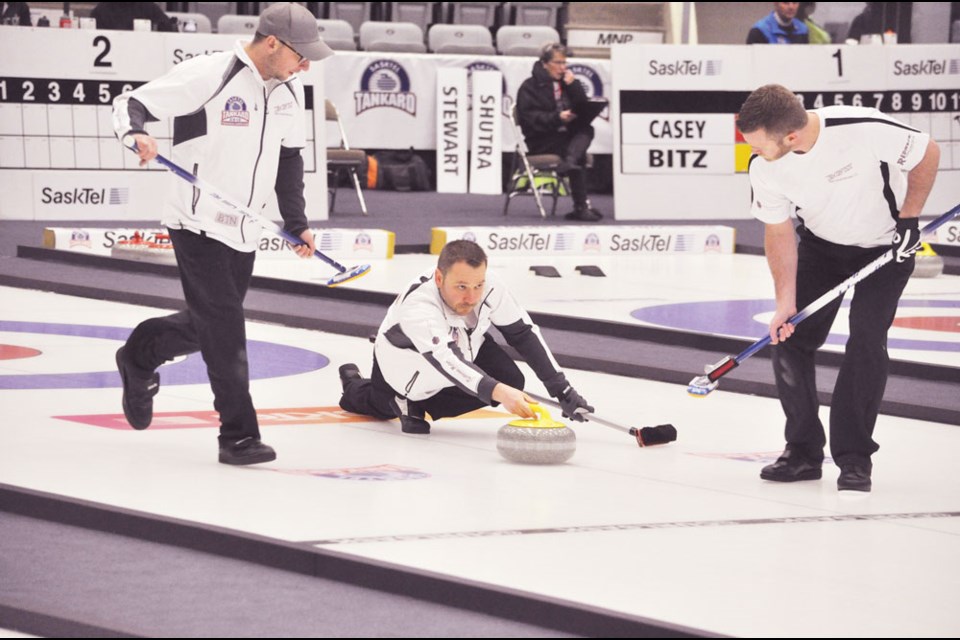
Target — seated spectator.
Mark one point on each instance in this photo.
(545, 105)
(780, 27)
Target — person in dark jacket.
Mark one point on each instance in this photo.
(880, 18)
(15, 13)
(120, 16)
(545, 112)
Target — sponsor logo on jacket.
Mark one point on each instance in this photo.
(285, 109)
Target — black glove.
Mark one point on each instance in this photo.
(906, 240)
(573, 406)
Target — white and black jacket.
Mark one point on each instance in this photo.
(234, 130)
(423, 346)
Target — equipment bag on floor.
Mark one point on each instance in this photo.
(402, 171)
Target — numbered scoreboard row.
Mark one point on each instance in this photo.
(62, 91)
(74, 91)
(892, 102)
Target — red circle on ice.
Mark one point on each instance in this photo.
(929, 323)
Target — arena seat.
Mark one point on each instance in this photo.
(338, 34)
(524, 41)
(391, 36)
(460, 38)
(237, 24)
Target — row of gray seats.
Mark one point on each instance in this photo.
(206, 17)
(423, 14)
(512, 40)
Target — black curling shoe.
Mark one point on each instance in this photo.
(854, 477)
(348, 372)
(139, 387)
(247, 450)
(791, 467)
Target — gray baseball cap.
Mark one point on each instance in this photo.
(296, 26)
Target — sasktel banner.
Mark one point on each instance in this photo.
(596, 241)
(59, 156)
(677, 153)
(341, 244)
(949, 233)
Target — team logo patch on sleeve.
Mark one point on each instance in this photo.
(235, 113)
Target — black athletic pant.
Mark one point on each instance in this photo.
(572, 147)
(862, 379)
(214, 279)
(374, 397)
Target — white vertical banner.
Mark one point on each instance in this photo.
(452, 123)
(486, 171)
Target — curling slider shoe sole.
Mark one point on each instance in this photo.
(701, 386)
(350, 274)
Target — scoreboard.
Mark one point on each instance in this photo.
(59, 156)
(677, 153)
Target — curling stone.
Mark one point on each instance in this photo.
(928, 263)
(540, 440)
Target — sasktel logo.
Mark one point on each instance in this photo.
(86, 195)
(926, 67)
(685, 68)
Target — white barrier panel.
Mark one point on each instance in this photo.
(677, 151)
(361, 244)
(486, 137)
(339, 243)
(673, 143)
(452, 128)
(59, 156)
(96, 241)
(386, 100)
(599, 241)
